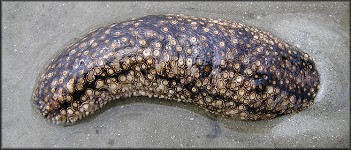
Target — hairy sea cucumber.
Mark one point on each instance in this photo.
(223, 66)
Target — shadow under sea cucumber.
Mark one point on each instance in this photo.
(223, 66)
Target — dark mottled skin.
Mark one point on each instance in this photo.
(225, 67)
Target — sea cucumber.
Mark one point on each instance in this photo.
(223, 66)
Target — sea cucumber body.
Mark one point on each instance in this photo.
(225, 67)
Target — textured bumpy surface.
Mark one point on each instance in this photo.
(225, 67)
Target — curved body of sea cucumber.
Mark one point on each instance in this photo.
(225, 67)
